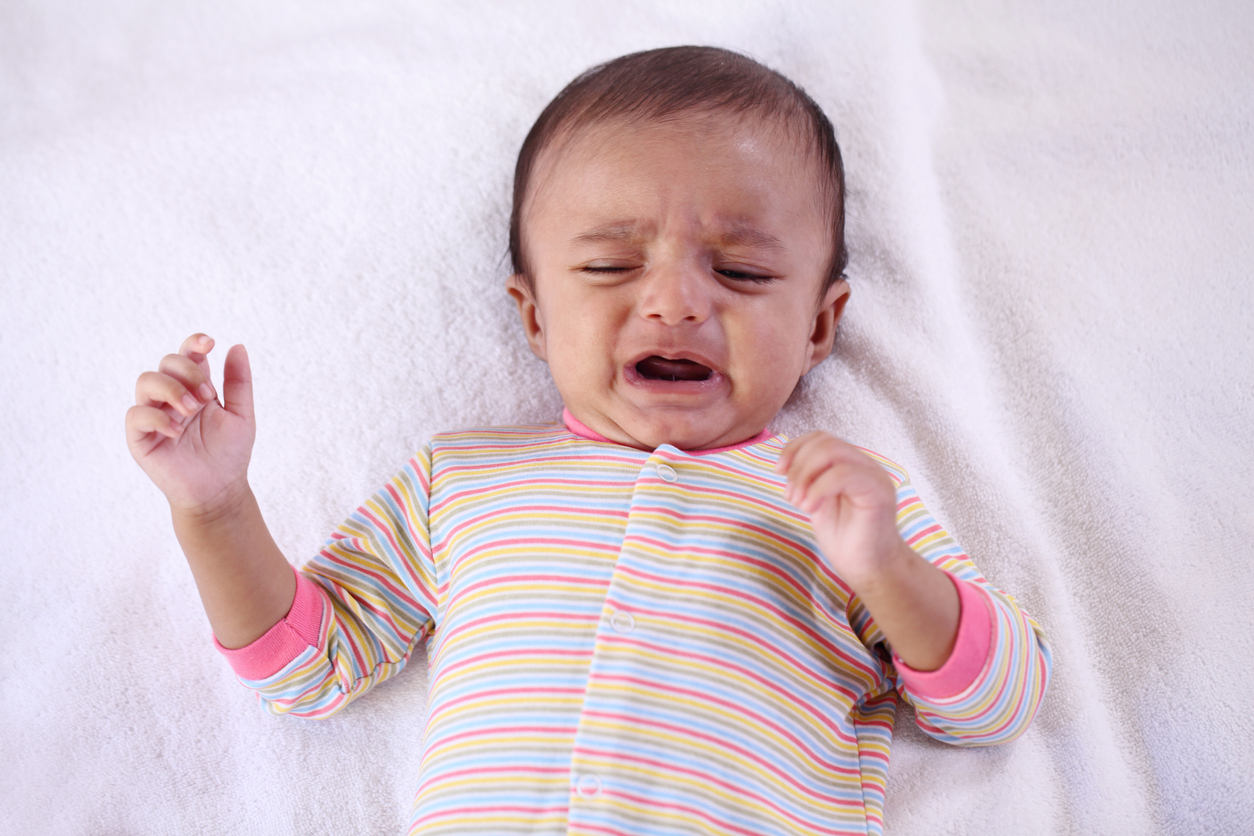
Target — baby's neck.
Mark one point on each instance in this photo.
(580, 429)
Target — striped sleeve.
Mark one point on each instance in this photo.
(377, 581)
(1000, 701)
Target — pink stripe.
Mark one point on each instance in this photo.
(919, 535)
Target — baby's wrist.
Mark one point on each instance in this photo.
(226, 505)
(887, 575)
(916, 607)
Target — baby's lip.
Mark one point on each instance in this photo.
(682, 355)
(659, 368)
(675, 371)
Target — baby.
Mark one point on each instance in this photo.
(655, 617)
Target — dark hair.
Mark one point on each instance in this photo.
(664, 83)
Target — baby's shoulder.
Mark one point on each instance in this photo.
(502, 439)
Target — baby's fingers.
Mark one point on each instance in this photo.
(811, 455)
(820, 456)
(142, 421)
(196, 344)
(843, 479)
(192, 374)
(195, 348)
(810, 451)
(158, 389)
(793, 447)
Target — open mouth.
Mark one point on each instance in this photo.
(661, 368)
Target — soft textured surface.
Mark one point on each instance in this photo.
(1050, 228)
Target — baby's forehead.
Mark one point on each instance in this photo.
(612, 136)
(605, 131)
(721, 182)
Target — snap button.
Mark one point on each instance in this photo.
(588, 786)
(622, 622)
(667, 472)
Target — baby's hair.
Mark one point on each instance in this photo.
(665, 84)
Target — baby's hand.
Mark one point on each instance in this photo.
(195, 449)
(852, 504)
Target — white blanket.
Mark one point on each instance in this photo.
(1050, 222)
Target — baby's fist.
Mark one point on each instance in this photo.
(852, 504)
(195, 449)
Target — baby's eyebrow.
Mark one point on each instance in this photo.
(749, 236)
(733, 235)
(610, 232)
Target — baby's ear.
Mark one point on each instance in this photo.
(520, 288)
(826, 318)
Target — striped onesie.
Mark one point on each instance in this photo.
(624, 641)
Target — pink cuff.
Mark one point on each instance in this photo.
(971, 649)
(283, 642)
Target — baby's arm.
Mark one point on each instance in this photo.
(852, 504)
(197, 451)
(987, 687)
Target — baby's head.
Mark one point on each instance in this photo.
(678, 245)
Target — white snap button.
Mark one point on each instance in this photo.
(667, 472)
(588, 786)
(622, 622)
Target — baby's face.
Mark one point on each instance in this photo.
(677, 270)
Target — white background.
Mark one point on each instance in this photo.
(1050, 217)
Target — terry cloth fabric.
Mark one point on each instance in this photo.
(1048, 221)
(633, 642)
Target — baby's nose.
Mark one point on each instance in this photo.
(675, 293)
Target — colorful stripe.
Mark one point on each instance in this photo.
(614, 653)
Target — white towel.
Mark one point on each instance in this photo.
(1050, 220)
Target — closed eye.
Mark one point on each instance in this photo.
(726, 272)
(597, 268)
(743, 276)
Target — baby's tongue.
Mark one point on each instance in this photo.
(663, 369)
